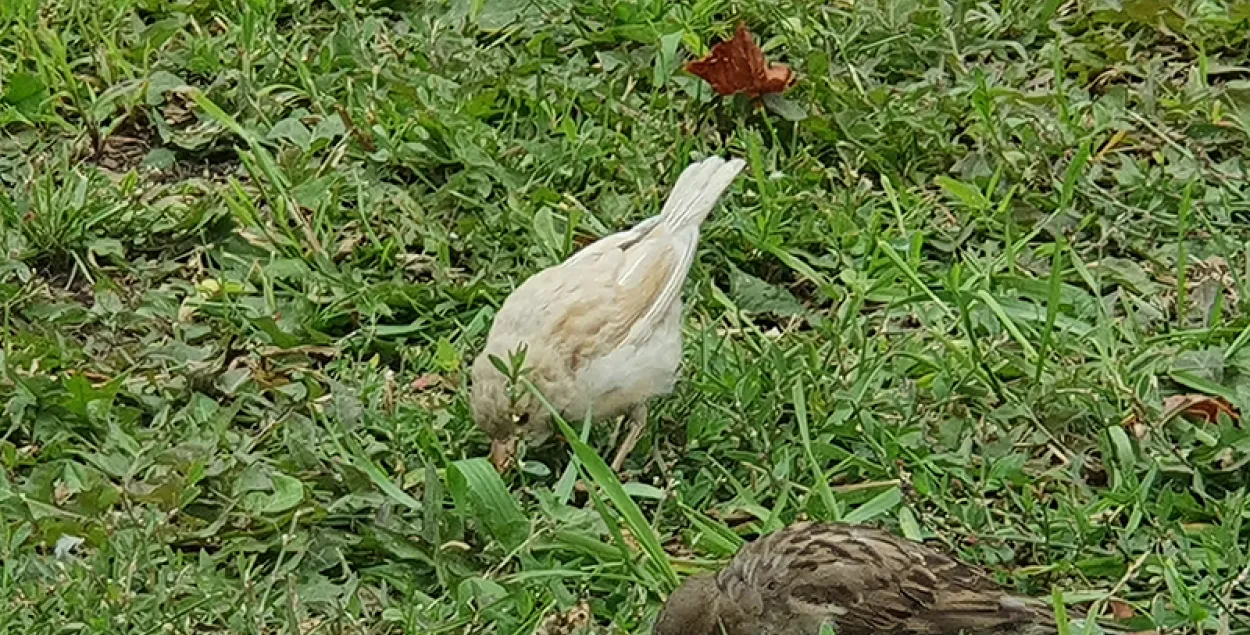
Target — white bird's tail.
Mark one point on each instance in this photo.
(697, 190)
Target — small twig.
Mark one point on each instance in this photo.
(1128, 574)
(361, 136)
(1227, 600)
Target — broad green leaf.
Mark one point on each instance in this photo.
(908, 524)
(967, 194)
(783, 107)
(291, 130)
(230, 381)
(160, 82)
(287, 493)
(481, 494)
(545, 231)
(1124, 453)
(666, 57)
(446, 356)
(753, 295)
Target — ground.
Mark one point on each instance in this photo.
(983, 283)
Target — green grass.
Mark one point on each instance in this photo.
(250, 246)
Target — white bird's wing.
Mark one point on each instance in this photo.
(616, 290)
(657, 263)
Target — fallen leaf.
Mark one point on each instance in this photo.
(1120, 610)
(347, 246)
(575, 620)
(737, 65)
(425, 381)
(1205, 407)
(61, 493)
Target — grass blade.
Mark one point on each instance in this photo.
(911, 276)
(1052, 307)
(351, 451)
(1009, 324)
(880, 504)
(820, 483)
(599, 473)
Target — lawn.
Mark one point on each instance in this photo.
(984, 282)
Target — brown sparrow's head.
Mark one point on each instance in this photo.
(692, 609)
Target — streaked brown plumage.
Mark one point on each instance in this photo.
(601, 330)
(861, 580)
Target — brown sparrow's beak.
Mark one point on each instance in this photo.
(503, 453)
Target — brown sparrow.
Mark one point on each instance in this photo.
(601, 332)
(860, 580)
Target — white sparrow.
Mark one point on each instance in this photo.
(601, 332)
(860, 580)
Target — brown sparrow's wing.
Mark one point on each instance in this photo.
(865, 581)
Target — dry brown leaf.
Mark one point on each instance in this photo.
(425, 381)
(737, 65)
(1205, 407)
(347, 246)
(630, 541)
(61, 493)
(1120, 610)
(576, 620)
